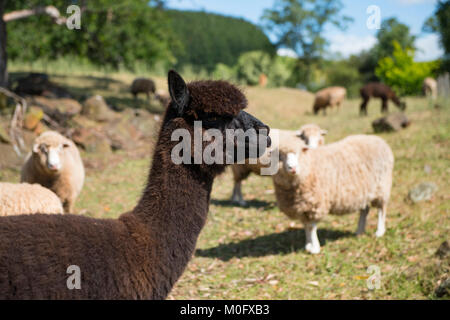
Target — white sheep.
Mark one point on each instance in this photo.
(55, 163)
(342, 177)
(311, 134)
(24, 198)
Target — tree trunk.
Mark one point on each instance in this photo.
(3, 55)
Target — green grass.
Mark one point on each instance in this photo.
(257, 252)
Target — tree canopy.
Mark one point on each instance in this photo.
(208, 39)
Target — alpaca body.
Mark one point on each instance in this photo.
(113, 264)
(141, 254)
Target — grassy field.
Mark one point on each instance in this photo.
(256, 252)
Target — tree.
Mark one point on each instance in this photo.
(391, 30)
(112, 33)
(440, 23)
(401, 72)
(299, 25)
(208, 39)
(3, 54)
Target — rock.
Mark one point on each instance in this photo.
(444, 250)
(33, 118)
(91, 140)
(66, 106)
(96, 109)
(443, 288)
(422, 192)
(122, 133)
(392, 122)
(142, 120)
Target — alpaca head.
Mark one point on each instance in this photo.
(48, 149)
(212, 113)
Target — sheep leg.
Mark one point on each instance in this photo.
(381, 228)
(362, 221)
(312, 241)
(237, 194)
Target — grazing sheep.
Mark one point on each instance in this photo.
(143, 85)
(55, 163)
(342, 177)
(311, 134)
(141, 254)
(382, 91)
(430, 88)
(24, 198)
(329, 97)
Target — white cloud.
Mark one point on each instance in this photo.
(412, 2)
(284, 52)
(428, 48)
(350, 44)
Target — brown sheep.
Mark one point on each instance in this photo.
(430, 88)
(141, 254)
(382, 91)
(329, 97)
(143, 85)
(55, 163)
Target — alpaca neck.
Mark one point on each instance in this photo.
(174, 207)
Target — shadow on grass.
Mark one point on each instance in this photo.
(286, 242)
(257, 204)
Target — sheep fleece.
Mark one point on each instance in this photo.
(338, 178)
(27, 198)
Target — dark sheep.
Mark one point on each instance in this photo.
(382, 91)
(141, 254)
(143, 85)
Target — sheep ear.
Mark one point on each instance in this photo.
(178, 91)
(299, 133)
(35, 148)
(304, 149)
(324, 132)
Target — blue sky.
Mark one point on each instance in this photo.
(357, 37)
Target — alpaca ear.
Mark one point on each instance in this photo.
(178, 91)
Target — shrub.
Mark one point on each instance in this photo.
(403, 74)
